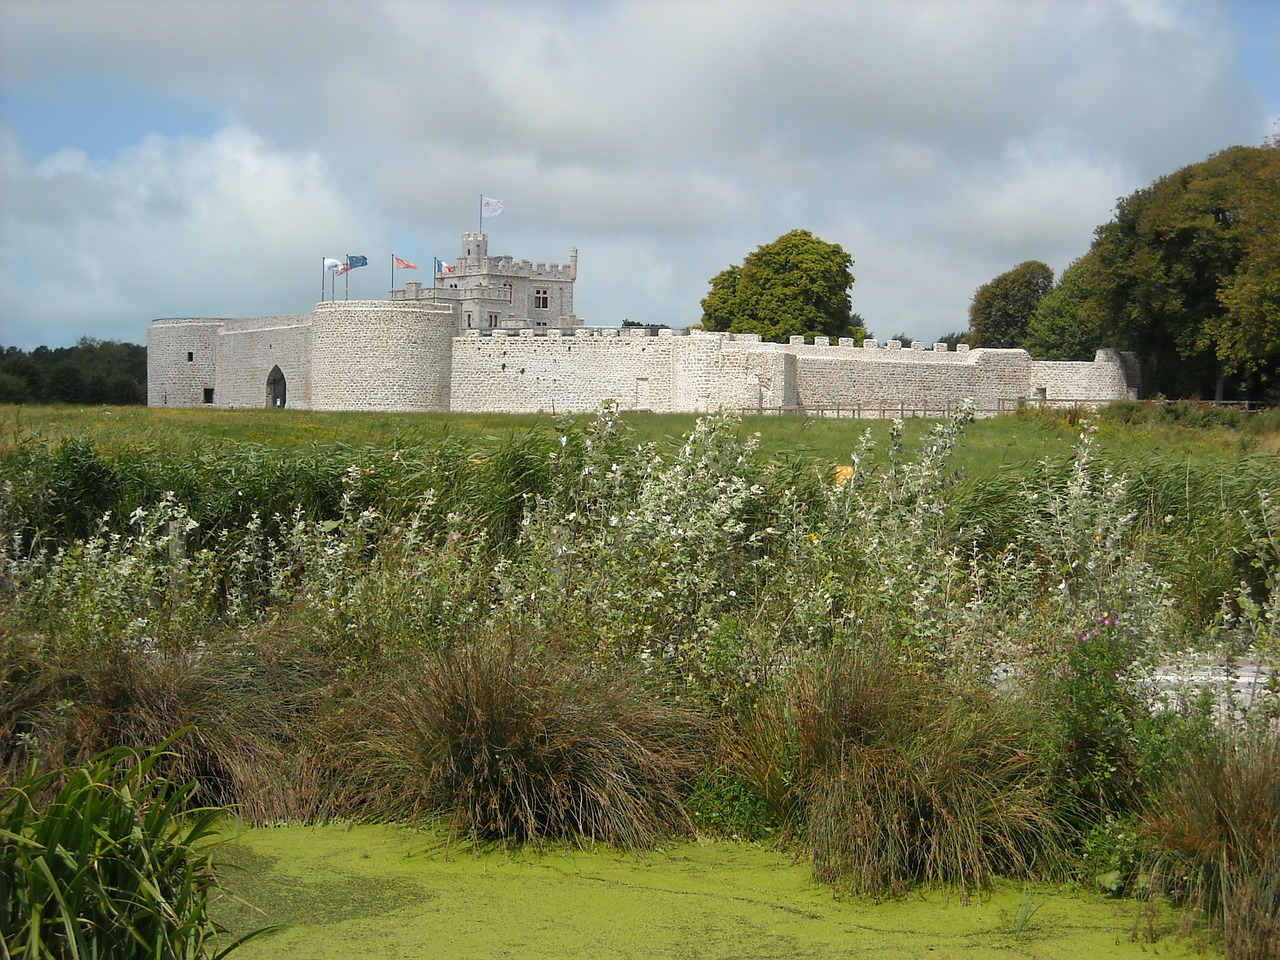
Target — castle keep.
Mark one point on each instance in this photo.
(497, 335)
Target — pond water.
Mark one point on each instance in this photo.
(383, 892)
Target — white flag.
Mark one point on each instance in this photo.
(490, 207)
(331, 264)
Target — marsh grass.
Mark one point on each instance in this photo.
(245, 712)
(890, 779)
(1217, 828)
(507, 744)
(1028, 906)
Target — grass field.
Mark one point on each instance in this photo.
(1008, 440)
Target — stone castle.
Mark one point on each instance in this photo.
(496, 335)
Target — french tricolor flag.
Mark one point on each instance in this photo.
(442, 267)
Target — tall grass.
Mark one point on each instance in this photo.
(892, 779)
(506, 744)
(1217, 826)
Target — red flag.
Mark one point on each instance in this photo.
(403, 264)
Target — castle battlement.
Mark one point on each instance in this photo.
(475, 257)
(488, 293)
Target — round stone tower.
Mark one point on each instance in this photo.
(382, 355)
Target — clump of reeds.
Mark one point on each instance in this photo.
(244, 709)
(1217, 826)
(510, 744)
(106, 860)
(890, 779)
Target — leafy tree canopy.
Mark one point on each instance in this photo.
(1189, 273)
(1058, 330)
(1002, 308)
(797, 285)
(93, 371)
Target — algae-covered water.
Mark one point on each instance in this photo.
(378, 892)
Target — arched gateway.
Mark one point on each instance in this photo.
(275, 388)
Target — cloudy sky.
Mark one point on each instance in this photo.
(164, 158)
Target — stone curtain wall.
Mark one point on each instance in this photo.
(381, 355)
(247, 350)
(524, 373)
(404, 355)
(862, 377)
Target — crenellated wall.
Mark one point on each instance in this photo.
(405, 355)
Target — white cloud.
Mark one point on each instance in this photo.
(939, 142)
(1043, 197)
(225, 225)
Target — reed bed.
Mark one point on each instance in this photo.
(932, 666)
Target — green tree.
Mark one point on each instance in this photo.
(1002, 308)
(65, 382)
(1189, 274)
(1246, 334)
(92, 371)
(14, 389)
(797, 285)
(18, 364)
(1059, 330)
(720, 306)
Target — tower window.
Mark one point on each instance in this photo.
(190, 356)
(541, 298)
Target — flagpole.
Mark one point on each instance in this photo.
(322, 279)
(346, 280)
(481, 230)
(393, 272)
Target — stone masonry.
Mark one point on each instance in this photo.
(414, 352)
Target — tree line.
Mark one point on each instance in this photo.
(93, 371)
(1186, 276)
